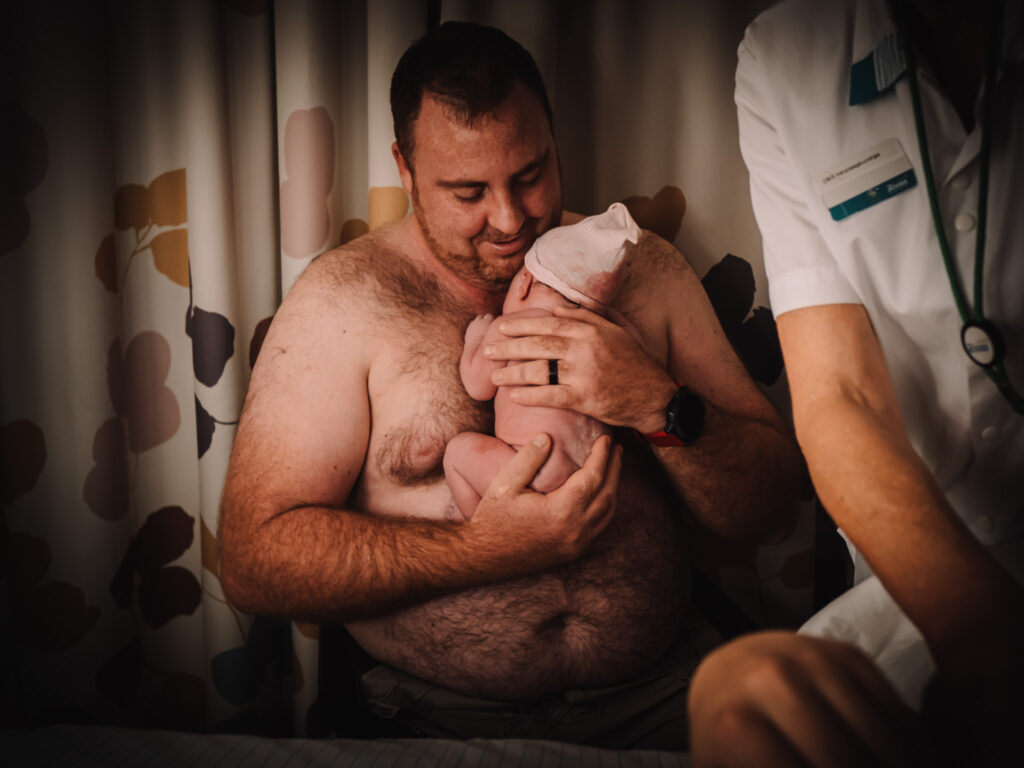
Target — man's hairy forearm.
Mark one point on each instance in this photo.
(879, 491)
(328, 565)
(740, 479)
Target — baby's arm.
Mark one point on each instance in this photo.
(476, 369)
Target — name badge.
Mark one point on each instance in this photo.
(867, 178)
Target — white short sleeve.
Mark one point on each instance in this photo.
(801, 271)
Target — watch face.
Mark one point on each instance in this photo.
(684, 416)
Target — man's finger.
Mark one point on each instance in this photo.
(534, 372)
(602, 506)
(528, 348)
(585, 482)
(519, 471)
(583, 315)
(540, 326)
(548, 395)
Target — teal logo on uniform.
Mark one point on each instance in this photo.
(867, 198)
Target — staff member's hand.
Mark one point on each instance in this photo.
(781, 699)
(602, 369)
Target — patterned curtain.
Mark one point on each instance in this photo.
(168, 169)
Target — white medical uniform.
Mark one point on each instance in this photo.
(798, 131)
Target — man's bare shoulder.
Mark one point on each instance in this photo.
(352, 270)
(656, 269)
(333, 310)
(657, 258)
(371, 274)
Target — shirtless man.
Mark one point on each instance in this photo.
(334, 504)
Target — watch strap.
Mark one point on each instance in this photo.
(663, 439)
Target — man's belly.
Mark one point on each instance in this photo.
(597, 621)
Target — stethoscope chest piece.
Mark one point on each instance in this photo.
(982, 342)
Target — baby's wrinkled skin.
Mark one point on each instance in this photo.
(471, 460)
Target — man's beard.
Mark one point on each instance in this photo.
(471, 267)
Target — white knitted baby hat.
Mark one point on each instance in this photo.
(584, 261)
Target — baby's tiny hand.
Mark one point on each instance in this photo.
(476, 329)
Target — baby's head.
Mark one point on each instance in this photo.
(525, 291)
(584, 262)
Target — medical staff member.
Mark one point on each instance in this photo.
(885, 144)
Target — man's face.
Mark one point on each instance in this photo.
(483, 194)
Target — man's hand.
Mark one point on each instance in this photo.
(554, 528)
(603, 371)
(780, 699)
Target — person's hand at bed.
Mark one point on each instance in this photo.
(780, 699)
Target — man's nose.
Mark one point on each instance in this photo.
(506, 214)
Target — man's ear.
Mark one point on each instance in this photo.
(404, 172)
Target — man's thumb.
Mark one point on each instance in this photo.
(519, 471)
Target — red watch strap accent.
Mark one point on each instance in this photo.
(663, 439)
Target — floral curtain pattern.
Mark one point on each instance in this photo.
(168, 171)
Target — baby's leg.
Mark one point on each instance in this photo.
(555, 472)
(471, 461)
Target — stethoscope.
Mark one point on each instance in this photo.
(979, 336)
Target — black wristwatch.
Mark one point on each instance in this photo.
(684, 419)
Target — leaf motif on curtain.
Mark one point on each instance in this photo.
(50, 616)
(387, 204)
(352, 229)
(106, 486)
(22, 458)
(205, 426)
(209, 548)
(798, 570)
(213, 343)
(240, 673)
(729, 285)
(106, 263)
(662, 214)
(26, 154)
(162, 204)
(309, 178)
(256, 343)
(138, 391)
(180, 704)
(170, 255)
(164, 591)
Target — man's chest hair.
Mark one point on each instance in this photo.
(416, 380)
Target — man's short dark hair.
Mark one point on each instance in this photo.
(470, 68)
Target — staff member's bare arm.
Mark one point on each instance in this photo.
(740, 477)
(874, 484)
(289, 545)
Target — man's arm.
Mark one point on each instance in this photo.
(290, 546)
(874, 484)
(740, 477)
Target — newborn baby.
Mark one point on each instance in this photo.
(578, 265)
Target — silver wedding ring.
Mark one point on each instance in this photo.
(552, 372)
